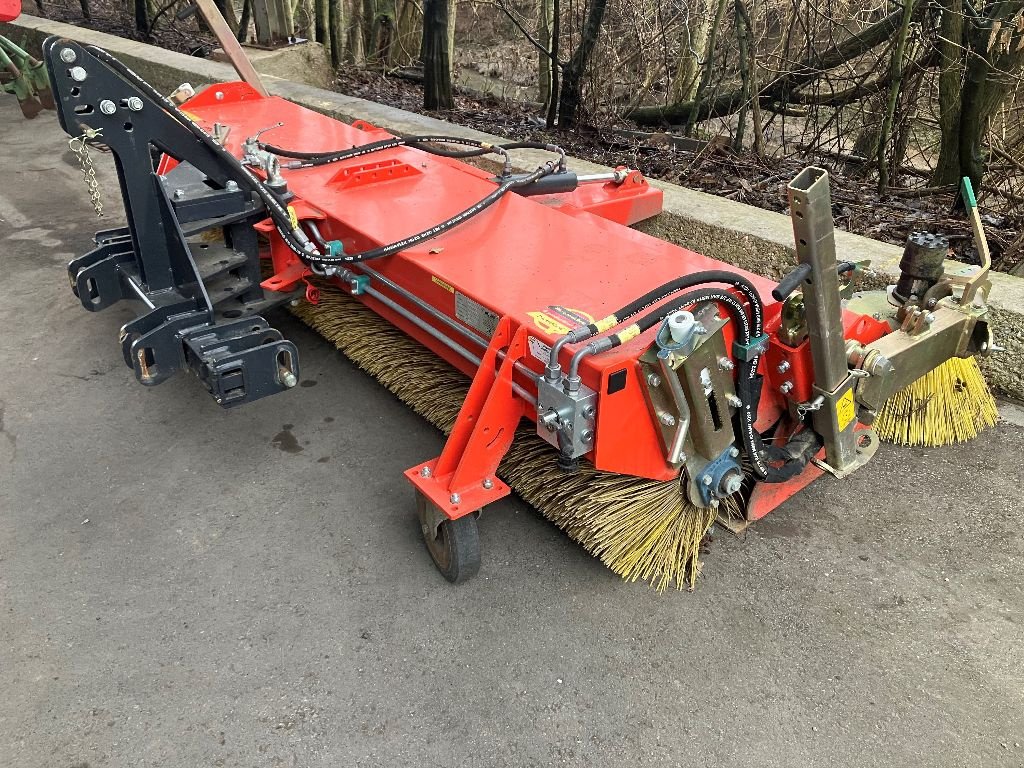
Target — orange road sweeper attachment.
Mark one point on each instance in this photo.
(629, 357)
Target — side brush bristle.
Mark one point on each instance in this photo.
(641, 529)
(950, 404)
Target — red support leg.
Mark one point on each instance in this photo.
(461, 480)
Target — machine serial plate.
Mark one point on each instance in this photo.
(475, 315)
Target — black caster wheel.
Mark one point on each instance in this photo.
(454, 545)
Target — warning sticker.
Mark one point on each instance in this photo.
(475, 315)
(845, 410)
(438, 281)
(539, 350)
(558, 321)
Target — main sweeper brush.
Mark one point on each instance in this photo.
(631, 390)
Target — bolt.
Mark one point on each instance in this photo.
(707, 480)
(549, 420)
(455, 498)
(425, 472)
(786, 388)
(714, 503)
(68, 55)
(178, 194)
(725, 364)
(734, 401)
(134, 103)
(219, 96)
(734, 452)
(294, 302)
(231, 186)
(78, 74)
(783, 366)
(586, 436)
(667, 419)
(732, 484)
(699, 329)
(929, 318)
(588, 412)
(288, 379)
(488, 483)
(654, 380)
(107, 107)
(877, 315)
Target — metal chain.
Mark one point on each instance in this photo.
(79, 145)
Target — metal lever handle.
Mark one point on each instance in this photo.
(791, 281)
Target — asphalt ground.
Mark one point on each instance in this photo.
(186, 586)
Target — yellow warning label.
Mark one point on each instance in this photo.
(438, 281)
(293, 217)
(605, 323)
(560, 320)
(845, 410)
(548, 324)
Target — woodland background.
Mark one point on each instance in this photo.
(898, 98)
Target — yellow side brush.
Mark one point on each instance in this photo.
(949, 404)
(641, 529)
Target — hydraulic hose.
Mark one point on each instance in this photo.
(652, 297)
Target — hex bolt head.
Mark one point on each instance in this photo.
(734, 452)
(178, 194)
(732, 484)
(288, 379)
(219, 95)
(786, 387)
(929, 318)
(68, 55)
(654, 380)
(134, 103)
(425, 472)
(107, 107)
(455, 498)
(231, 186)
(488, 483)
(78, 74)
(725, 364)
(707, 480)
(783, 366)
(667, 419)
(734, 401)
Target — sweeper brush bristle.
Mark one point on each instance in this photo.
(948, 405)
(641, 529)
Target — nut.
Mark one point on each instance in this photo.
(107, 107)
(725, 364)
(783, 366)
(667, 419)
(425, 472)
(455, 498)
(786, 387)
(134, 103)
(488, 483)
(654, 380)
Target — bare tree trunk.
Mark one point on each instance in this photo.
(336, 24)
(356, 49)
(572, 75)
(142, 17)
(437, 74)
(951, 73)
(407, 48)
(895, 83)
(453, 10)
(556, 52)
(693, 52)
(544, 24)
(709, 63)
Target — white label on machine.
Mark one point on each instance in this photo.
(539, 350)
(475, 315)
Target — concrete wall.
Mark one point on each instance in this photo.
(748, 237)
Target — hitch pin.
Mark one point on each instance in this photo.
(813, 405)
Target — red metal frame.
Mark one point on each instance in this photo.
(539, 264)
(462, 480)
(9, 9)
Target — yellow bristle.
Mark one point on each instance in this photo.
(642, 529)
(950, 404)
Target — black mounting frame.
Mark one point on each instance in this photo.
(202, 294)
